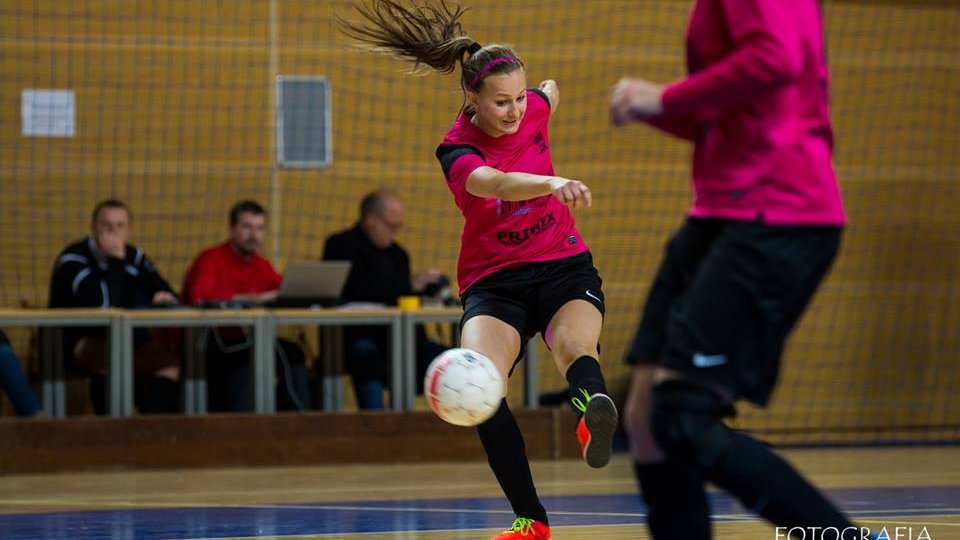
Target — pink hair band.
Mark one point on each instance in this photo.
(496, 62)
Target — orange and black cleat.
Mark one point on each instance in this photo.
(596, 428)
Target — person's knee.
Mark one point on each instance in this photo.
(171, 373)
(686, 424)
(365, 361)
(363, 350)
(90, 354)
(154, 360)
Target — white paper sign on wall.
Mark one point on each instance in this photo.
(48, 113)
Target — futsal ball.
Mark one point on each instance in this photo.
(463, 387)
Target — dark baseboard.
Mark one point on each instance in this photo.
(238, 440)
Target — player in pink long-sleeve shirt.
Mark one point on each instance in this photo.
(762, 233)
(523, 266)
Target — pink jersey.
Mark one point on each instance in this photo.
(755, 104)
(501, 234)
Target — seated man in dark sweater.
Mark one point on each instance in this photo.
(101, 271)
(380, 273)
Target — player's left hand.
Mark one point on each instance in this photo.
(571, 192)
(549, 88)
(635, 99)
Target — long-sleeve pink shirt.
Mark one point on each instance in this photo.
(755, 103)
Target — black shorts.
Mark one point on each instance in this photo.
(726, 297)
(529, 296)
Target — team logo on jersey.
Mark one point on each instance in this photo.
(511, 208)
(540, 142)
(515, 238)
(518, 208)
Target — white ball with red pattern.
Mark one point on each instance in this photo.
(463, 387)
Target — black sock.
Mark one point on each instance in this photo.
(584, 374)
(157, 395)
(769, 486)
(506, 453)
(676, 500)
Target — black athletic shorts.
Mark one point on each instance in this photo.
(726, 297)
(529, 296)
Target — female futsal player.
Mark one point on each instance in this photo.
(763, 232)
(523, 266)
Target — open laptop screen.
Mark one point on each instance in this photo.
(313, 282)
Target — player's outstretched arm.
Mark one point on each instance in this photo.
(516, 186)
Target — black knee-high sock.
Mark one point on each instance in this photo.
(584, 373)
(507, 456)
(768, 485)
(676, 500)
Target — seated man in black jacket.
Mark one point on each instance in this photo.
(380, 274)
(101, 271)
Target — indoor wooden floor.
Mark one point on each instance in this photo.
(915, 489)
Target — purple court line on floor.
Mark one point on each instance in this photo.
(420, 515)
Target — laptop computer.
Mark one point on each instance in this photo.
(309, 283)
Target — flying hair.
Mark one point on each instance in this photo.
(429, 33)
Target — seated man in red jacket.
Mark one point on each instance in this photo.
(234, 271)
